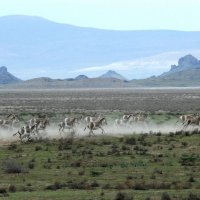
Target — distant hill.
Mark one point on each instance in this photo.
(112, 74)
(34, 45)
(81, 77)
(48, 83)
(6, 77)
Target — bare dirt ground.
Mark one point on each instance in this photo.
(83, 100)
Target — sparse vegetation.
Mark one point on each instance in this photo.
(151, 165)
(106, 169)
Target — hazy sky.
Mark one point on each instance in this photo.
(118, 15)
(112, 14)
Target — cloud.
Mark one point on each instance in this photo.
(141, 68)
(155, 62)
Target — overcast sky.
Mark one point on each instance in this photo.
(112, 14)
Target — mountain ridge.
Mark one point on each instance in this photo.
(36, 46)
(186, 73)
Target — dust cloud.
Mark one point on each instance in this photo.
(52, 131)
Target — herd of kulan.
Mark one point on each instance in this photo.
(35, 127)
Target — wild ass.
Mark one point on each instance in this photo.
(96, 125)
(10, 121)
(41, 123)
(92, 118)
(124, 120)
(193, 121)
(68, 123)
(139, 118)
(185, 118)
(26, 131)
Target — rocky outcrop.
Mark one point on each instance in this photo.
(6, 77)
(185, 63)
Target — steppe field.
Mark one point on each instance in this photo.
(155, 158)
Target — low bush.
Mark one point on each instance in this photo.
(12, 146)
(130, 141)
(56, 186)
(96, 173)
(38, 148)
(11, 166)
(3, 192)
(12, 188)
(165, 196)
(31, 165)
(192, 196)
(123, 196)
